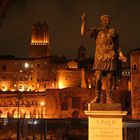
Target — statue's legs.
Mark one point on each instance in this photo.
(109, 84)
(98, 87)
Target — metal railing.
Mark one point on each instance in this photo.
(59, 129)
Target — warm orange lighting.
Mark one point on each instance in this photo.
(26, 65)
(129, 85)
(4, 87)
(89, 86)
(53, 85)
(42, 103)
(39, 42)
(72, 64)
(20, 88)
(12, 90)
(40, 34)
(60, 84)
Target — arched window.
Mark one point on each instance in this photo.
(135, 67)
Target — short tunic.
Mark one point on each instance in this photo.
(105, 53)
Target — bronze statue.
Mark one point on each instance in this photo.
(106, 53)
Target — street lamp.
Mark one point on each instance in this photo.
(42, 104)
(26, 65)
(18, 122)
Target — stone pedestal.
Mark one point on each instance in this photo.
(104, 121)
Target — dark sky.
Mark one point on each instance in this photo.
(63, 19)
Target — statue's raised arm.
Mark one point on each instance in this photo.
(84, 30)
(83, 26)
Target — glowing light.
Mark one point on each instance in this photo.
(39, 41)
(52, 84)
(34, 43)
(26, 65)
(72, 64)
(35, 122)
(12, 90)
(60, 84)
(89, 86)
(15, 86)
(20, 87)
(42, 103)
(4, 87)
(129, 85)
(5, 121)
(37, 85)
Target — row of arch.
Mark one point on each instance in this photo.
(19, 102)
(22, 112)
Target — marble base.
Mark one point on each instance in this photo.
(104, 121)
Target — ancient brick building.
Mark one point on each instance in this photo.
(39, 46)
(48, 86)
(135, 81)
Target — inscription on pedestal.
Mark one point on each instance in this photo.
(105, 128)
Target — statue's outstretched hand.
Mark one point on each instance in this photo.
(122, 57)
(83, 16)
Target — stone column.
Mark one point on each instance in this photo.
(83, 81)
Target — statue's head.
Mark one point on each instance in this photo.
(105, 20)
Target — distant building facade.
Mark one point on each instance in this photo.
(38, 72)
(25, 74)
(53, 103)
(40, 41)
(135, 82)
(49, 85)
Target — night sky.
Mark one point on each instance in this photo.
(63, 19)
